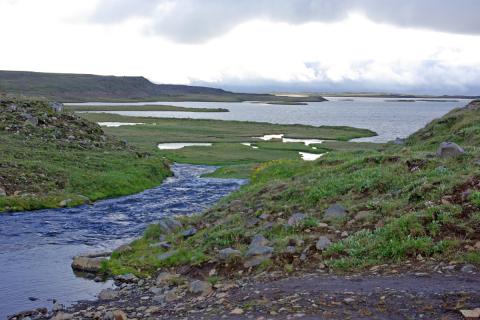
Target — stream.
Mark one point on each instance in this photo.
(36, 248)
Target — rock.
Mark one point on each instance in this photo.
(477, 245)
(323, 243)
(108, 294)
(200, 287)
(57, 307)
(56, 106)
(471, 314)
(166, 255)
(362, 215)
(127, 278)
(62, 316)
(164, 278)
(290, 250)
(115, 315)
(264, 216)
(64, 203)
(255, 261)
(88, 264)
(126, 248)
(399, 141)
(169, 225)
(237, 311)
(189, 233)
(228, 253)
(171, 295)
(449, 150)
(259, 251)
(296, 219)
(259, 240)
(3, 193)
(163, 245)
(468, 268)
(335, 211)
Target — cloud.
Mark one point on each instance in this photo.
(194, 21)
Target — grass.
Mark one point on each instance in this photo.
(66, 161)
(83, 108)
(412, 202)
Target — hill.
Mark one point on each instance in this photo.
(68, 87)
(52, 158)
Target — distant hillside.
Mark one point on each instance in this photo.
(67, 87)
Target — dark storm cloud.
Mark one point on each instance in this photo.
(194, 21)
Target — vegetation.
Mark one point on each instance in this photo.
(403, 203)
(67, 87)
(51, 159)
(152, 107)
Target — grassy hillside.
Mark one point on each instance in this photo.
(51, 159)
(68, 87)
(403, 206)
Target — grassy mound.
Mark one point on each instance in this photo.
(403, 204)
(50, 158)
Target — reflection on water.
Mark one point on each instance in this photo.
(36, 248)
(389, 119)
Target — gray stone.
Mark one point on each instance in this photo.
(399, 141)
(449, 150)
(200, 287)
(296, 219)
(163, 245)
(259, 251)
(228, 253)
(468, 268)
(255, 261)
(323, 243)
(166, 255)
(88, 264)
(164, 278)
(127, 278)
(56, 106)
(335, 211)
(259, 240)
(290, 250)
(169, 225)
(3, 193)
(108, 294)
(189, 233)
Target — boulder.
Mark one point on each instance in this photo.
(189, 233)
(335, 211)
(323, 243)
(87, 263)
(296, 219)
(258, 251)
(449, 150)
(169, 225)
(127, 278)
(228, 253)
(200, 287)
(108, 294)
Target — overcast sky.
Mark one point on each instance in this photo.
(417, 46)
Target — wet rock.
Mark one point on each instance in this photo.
(449, 150)
(62, 316)
(468, 268)
(189, 233)
(323, 243)
(30, 313)
(88, 263)
(126, 278)
(108, 294)
(169, 225)
(335, 211)
(200, 287)
(228, 253)
(296, 219)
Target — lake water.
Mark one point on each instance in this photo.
(388, 117)
(36, 248)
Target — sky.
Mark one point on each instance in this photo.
(404, 46)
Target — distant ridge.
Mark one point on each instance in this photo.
(68, 87)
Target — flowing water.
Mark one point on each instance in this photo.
(36, 248)
(390, 118)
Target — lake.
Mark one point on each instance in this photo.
(390, 118)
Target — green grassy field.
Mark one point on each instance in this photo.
(403, 203)
(151, 107)
(226, 137)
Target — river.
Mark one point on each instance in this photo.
(36, 248)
